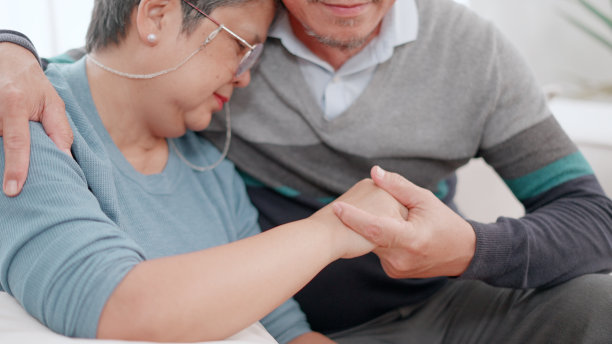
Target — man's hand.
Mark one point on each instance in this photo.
(26, 95)
(432, 241)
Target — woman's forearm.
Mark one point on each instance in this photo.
(214, 293)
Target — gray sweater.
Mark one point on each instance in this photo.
(458, 92)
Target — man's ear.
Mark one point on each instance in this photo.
(156, 18)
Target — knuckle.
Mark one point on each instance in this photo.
(396, 263)
(15, 142)
(392, 272)
(396, 178)
(13, 98)
(67, 135)
(417, 246)
(57, 104)
(403, 266)
(376, 233)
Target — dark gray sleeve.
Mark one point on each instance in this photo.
(567, 232)
(19, 39)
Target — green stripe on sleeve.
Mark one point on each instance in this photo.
(283, 190)
(287, 191)
(250, 181)
(552, 175)
(326, 200)
(443, 189)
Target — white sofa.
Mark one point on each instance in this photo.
(18, 327)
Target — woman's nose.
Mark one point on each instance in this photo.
(243, 79)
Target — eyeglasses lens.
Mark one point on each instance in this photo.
(249, 60)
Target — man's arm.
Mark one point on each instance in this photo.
(566, 233)
(26, 95)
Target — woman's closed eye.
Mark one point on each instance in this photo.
(241, 48)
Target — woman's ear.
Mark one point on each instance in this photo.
(155, 18)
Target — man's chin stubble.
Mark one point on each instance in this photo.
(344, 44)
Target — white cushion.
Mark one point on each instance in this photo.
(18, 327)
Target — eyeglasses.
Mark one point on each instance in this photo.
(249, 59)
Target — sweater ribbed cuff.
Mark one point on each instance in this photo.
(493, 251)
(19, 39)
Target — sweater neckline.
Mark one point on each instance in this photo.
(308, 105)
(159, 183)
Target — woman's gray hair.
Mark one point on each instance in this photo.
(110, 19)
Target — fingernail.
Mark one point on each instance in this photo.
(10, 188)
(380, 173)
(337, 209)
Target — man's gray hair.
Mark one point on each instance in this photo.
(110, 19)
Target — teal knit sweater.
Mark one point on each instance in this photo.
(81, 224)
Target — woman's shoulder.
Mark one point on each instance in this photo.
(70, 82)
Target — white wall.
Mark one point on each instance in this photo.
(557, 51)
(53, 25)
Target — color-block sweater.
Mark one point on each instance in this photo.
(460, 91)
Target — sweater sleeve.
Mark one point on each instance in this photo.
(61, 257)
(566, 233)
(567, 229)
(19, 39)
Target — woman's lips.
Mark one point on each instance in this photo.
(221, 100)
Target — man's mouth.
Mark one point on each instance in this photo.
(349, 10)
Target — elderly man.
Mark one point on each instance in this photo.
(418, 87)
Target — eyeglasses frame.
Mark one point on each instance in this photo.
(252, 48)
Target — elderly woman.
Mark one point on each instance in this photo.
(135, 236)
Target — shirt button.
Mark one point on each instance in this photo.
(336, 79)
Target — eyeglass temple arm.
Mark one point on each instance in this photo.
(220, 25)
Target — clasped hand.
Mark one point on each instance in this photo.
(344, 242)
(427, 239)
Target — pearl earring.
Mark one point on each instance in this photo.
(152, 38)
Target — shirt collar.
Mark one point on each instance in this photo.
(400, 26)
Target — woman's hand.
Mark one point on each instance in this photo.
(431, 241)
(26, 95)
(369, 197)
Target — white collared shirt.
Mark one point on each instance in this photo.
(336, 90)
